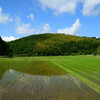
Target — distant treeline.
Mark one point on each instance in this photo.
(54, 45)
(5, 49)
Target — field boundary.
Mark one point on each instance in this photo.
(82, 79)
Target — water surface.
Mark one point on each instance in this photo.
(15, 85)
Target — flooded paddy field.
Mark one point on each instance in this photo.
(40, 80)
(15, 85)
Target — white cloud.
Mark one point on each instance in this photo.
(91, 7)
(60, 6)
(31, 16)
(22, 28)
(74, 30)
(4, 18)
(11, 38)
(46, 28)
(17, 20)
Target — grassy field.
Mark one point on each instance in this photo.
(46, 68)
(85, 68)
(62, 72)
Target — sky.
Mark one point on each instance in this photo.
(21, 18)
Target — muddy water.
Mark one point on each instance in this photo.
(15, 85)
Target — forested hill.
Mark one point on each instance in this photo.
(53, 44)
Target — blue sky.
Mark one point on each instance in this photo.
(20, 18)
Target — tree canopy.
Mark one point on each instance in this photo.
(3, 47)
(53, 45)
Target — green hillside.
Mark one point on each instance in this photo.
(53, 44)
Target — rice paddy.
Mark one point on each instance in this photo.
(48, 78)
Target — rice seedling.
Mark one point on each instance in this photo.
(42, 80)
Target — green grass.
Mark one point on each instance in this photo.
(30, 66)
(85, 68)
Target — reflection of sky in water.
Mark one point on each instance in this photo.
(15, 85)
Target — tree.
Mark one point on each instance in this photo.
(98, 50)
(3, 47)
(95, 53)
